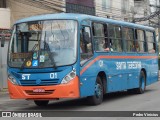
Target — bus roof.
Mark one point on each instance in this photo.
(81, 17)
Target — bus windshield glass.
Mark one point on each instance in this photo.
(43, 44)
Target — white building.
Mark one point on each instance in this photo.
(25, 8)
(115, 9)
(4, 25)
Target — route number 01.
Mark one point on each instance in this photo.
(53, 75)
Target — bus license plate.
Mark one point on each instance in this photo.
(39, 90)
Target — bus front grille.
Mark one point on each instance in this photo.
(39, 82)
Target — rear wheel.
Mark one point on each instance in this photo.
(142, 84)
(41, 102)
(97, 98)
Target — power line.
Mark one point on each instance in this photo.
(155, 14)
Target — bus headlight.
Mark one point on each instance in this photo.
(69, 77)
(12, 79)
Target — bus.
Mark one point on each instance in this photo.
(66, 55)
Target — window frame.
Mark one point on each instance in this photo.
(92, 45)
(105, 35)
(154, 41)
(123, 39)
(144, 42)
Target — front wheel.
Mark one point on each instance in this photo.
(97, 98)
(41, 102)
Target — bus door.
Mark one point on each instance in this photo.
(86, 56)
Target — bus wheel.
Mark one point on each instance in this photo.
(142, 84)
(41, 102)
(97, 98)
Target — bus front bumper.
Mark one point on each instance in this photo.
(69, 90)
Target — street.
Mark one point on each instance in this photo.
(120, 101)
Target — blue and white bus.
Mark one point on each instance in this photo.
(68, 55)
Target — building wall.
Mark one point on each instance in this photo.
(21, 9)
(3, 65)
(5, 18)
(80, 6)
(142, 9)
(114, 9)
(4, 24)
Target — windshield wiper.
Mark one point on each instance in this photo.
(51, 54)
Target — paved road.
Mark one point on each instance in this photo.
(121, 101)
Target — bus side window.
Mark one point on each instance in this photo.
(100, 36)
(85, 45)
(115, 38)
(128, 36)
(140, 42)
(150, 42)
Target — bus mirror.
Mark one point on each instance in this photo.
(86, 38)
(2, 40)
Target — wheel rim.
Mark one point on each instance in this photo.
(98, 90)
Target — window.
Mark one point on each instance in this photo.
(100, 36)
(106, 5)
(124, 6)
(128, 37)
(150, 42)
(140, 42)
(115, 39)
(85, 45)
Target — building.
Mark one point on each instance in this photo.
(4, 27)
(115, 9)
(25, 8)
(147, 14)
(80, 6)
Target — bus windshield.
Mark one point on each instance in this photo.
(43, 44)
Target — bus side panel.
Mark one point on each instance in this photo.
(117, 83)
(152, 71)
(117, 77)
(88, 78)
(87, 85)
(133, 79)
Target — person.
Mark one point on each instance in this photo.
(152, 50)
(133, 48)
(109, 47)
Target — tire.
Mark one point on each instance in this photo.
(97, 98)
(41, 102)
(142, 84)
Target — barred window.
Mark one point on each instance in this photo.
(128, 36)
(115, 38)
(140, 43)
(150, 42)
(100, 36)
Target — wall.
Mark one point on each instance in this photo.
(3, 65)
(21, 10)
(114, 9)
(5, 18)
(4, 24)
